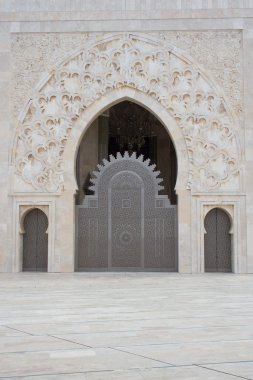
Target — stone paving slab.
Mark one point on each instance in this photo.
(6, 331)
(243, 369)
(183, 373)
(196, 353)
(126, 326)
(34, 343)
(67, 361)
(161, 336)
(132, 325)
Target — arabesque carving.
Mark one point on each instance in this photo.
(128, 60)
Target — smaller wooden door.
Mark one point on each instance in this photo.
(35, 242)
(217, 241)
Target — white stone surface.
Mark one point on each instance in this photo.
(126, 326)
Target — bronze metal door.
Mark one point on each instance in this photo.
(217, 241)
(126, 224)
(126, 216)
(35, 242)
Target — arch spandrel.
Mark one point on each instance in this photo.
(136, 62)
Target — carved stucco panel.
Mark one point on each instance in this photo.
(219, 53)
(35, 53)
(148, 66)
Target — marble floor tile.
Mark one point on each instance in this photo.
(243, 369)
(119, 326)
(178, 373)
(196, 353)
(161, 336)
(72, 327)
(67, 361)
(10, 331)
(34, 343)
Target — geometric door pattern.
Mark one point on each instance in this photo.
(217, 241)
(126, 224)
(35, 242)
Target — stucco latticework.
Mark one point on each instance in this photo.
(145, 65)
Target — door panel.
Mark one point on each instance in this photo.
(126, 225)
(217, 242)
(35, 242)
(126, 217)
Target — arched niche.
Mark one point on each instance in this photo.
(65, 202)
(127, 126)
(116, 96)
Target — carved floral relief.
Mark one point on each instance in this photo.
(147, 66)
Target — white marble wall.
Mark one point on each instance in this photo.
(6, 130)
(21, 19)
(248, 129)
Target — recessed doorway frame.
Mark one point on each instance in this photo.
(21, 208)
(182, 189)
(93, 124)
(234, 206)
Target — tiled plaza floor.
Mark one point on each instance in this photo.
(118, 326)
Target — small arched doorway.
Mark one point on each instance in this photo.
(35, 241)
(217, 241)
(126, 225)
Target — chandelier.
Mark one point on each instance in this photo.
(131, 125)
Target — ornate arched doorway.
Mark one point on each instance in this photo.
(126, 224)
(217, 241)
(99, 74)
(35, 241)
